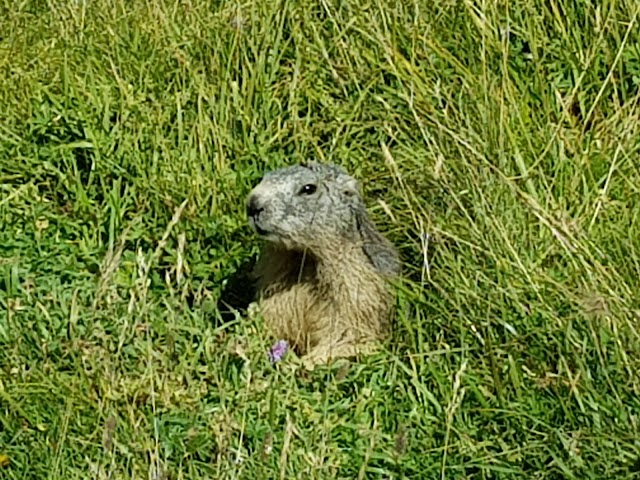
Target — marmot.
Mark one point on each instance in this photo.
(322, 277)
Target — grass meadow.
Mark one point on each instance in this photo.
(498, 143)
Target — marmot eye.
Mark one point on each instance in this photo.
(308, 189)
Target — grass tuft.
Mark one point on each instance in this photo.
(498, 148)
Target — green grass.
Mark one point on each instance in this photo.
(499, 148)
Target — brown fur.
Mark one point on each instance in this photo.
(328, 306)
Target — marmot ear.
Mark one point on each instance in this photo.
(350, 188)
(375, 246)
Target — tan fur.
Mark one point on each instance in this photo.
(327, 306)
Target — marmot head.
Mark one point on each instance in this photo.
(305, 205)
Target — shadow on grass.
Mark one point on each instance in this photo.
(238, 292)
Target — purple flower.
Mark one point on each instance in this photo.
(277, 351)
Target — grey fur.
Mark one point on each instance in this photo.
(331, 216)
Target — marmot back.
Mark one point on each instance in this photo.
(323, 275)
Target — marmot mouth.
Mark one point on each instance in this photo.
(261, 231)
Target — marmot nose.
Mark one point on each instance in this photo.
(253, 207)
